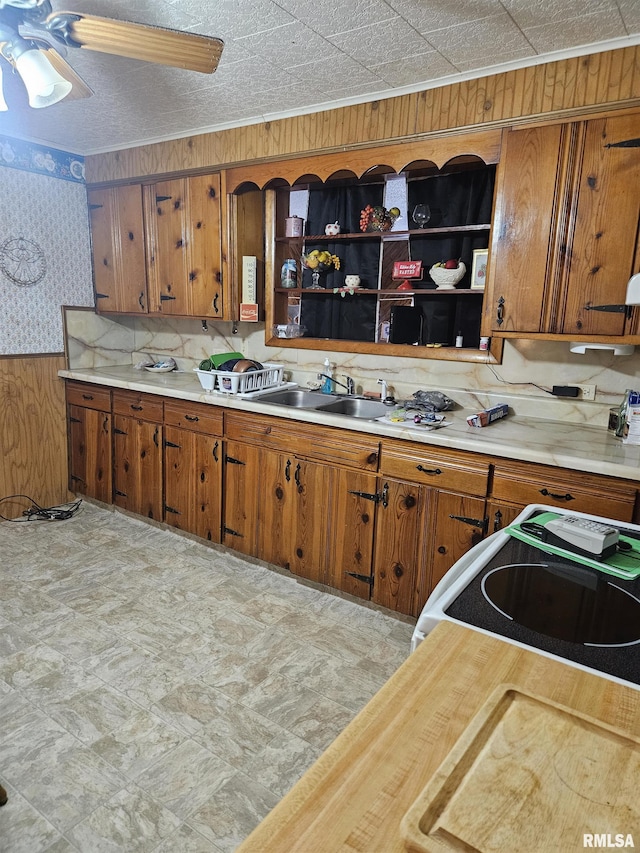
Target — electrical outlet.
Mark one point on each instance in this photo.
(587, 392)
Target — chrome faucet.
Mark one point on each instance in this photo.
(349, 386)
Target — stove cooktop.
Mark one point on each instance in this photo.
(553, 604)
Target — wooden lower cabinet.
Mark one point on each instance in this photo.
(458, 522)
(193, 482)
(400, 544)
(242, 479)
(90, 453)
(137, 469)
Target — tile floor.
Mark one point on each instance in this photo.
(161, 694)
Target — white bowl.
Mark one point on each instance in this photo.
(445, 278)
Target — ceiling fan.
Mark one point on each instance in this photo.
(34, 41)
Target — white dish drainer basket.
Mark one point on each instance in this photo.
(228, 382)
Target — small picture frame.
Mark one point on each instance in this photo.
(479, 269)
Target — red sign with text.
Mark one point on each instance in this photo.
(407, 269)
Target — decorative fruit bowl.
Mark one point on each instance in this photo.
(447, 278)
(319, 262)
(378, 218)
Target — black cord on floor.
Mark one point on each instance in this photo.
(39, 513)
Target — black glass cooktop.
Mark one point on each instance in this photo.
(561, 607)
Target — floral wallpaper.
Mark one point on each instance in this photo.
(45, 257)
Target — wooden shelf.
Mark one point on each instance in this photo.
(370, 291)
(368, 235)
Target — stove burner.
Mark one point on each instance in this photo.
(566, 602)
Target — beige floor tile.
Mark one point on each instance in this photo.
(158, 693)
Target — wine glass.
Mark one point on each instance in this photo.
(421, 214)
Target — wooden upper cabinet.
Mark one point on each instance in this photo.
(118, 248)
(565, 232)
(184, 239)
(603, 229)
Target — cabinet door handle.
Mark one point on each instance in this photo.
(214, 452)
(547, 493)
(155, 438)
(385, 495)
(141, 299)
(193, 418)
(296, 477)
(500, 311)
(424, 470)
(136, 408)
(215, 302)
(287, 471)
(87, 396)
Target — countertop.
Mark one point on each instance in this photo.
(355, 796)
(582, 447)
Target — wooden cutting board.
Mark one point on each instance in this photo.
(521, 756)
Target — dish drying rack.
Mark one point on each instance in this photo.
(253, 382)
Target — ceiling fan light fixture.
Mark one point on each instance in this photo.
(43, 83)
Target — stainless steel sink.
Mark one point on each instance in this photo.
(356, 407)
(297, 398)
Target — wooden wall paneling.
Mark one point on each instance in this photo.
(596, 80)
(34, 432)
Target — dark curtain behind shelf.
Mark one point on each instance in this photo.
(352, 317)
(461, 198)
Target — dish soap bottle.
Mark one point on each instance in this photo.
(326, 379)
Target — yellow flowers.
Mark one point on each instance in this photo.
(321, 260)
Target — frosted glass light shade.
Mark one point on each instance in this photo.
(43, 83)
(3, 103)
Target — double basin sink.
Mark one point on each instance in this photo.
(331, 404)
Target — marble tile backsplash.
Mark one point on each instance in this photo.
(528, 366)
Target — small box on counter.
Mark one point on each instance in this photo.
(631, 429)
(488, 416)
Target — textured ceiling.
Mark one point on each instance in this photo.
(283, 57)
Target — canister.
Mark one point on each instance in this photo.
(293, 226)
(289, 273)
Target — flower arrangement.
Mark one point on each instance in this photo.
(319, 261)
(322, 261)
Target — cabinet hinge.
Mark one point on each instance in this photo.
(160, 198)
(481, 523)
(627, 143)
(377, 497)
(102, 295)
(171, 509)
(611, 309)
(119, 431)
(76, 479)
(364, 578)
(74, 420)
(95, 206)
(230, 532)
(172, 444)
(233, 461)
(165, 298)
(118, 492)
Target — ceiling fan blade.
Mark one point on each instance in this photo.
(141, 41)
(79, 88)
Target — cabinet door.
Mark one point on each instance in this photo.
(399, 544)
(117, 241)
(137, 456)
(90, 453)
(183, 230)
(276, 510)
(457, 524)
(528, 206)
(350, 513)
(192, 482)
(242, 479)
(311, 484)
(604, 228)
